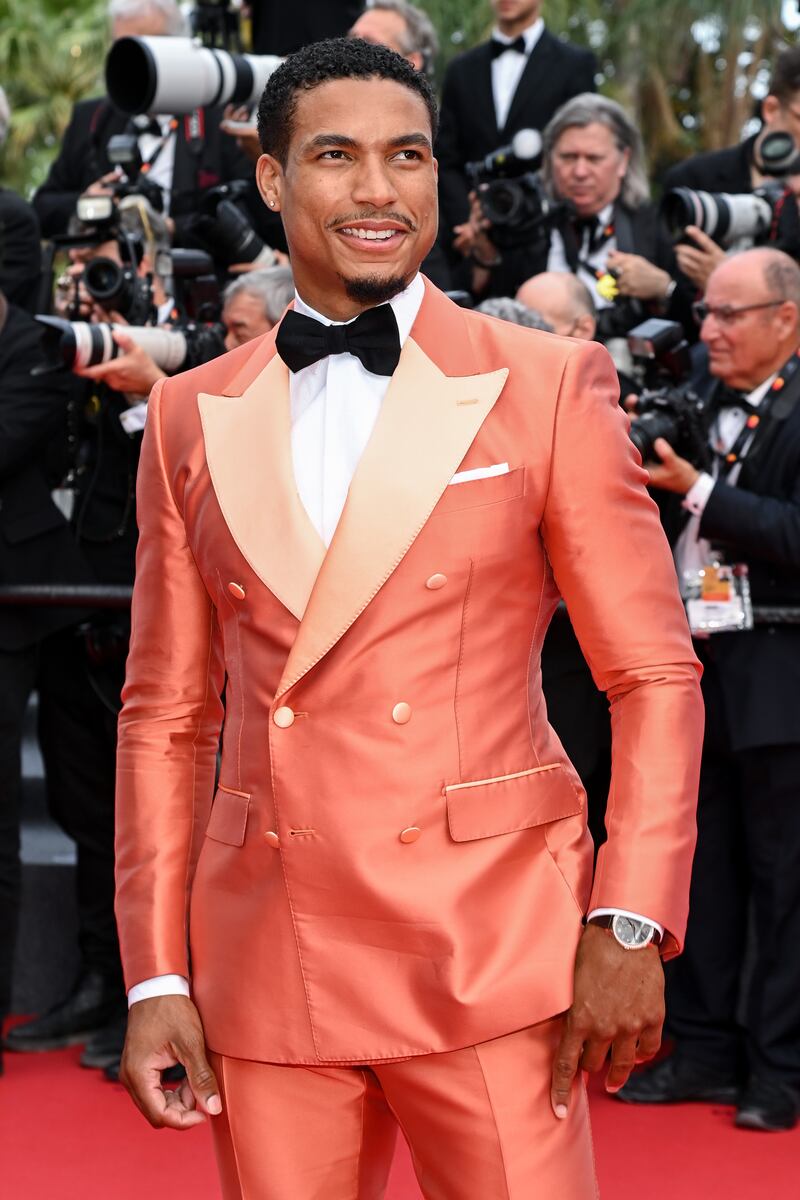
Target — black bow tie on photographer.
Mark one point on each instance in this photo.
(499, 47)
(729, 398)
(373, 338)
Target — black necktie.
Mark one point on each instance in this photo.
(373, 338)
(498, 47)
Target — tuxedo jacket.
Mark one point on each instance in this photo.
(758, 522)
(20, 251)
(396, 859)
(468, 130)
(199, 165)
(725, 170)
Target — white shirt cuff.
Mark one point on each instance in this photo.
(697, 496)
(624, 912)
(133, 419)
(159, 985)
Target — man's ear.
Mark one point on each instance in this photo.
(770, 107)
(269, 179)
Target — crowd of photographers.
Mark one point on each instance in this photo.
(147, 250)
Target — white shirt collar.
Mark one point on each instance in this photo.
(531, 35)
(405, 306)
(758, 393)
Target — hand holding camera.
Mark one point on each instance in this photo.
(133, 372)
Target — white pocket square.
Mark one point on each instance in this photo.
(480, 473)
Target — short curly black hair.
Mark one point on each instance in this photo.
(321, 62)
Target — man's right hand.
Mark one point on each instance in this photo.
(164, 1031)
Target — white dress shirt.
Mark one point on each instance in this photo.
(691, 551)
(595, 259)
(163, 168)
(334, 407)
(507, 69)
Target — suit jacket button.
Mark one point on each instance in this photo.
(435, 582)
(236, 590)
(410, 835)
(401, 713)
(272, 839)
(283, 717)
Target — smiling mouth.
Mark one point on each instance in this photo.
(358, 233)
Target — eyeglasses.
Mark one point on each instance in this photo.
(726, 314)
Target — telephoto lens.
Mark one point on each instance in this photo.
(172, 75)
(78, 344)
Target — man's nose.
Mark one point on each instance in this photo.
(373, 184)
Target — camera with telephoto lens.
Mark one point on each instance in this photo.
(196, 338)
(667, 408)
(511, 194)
(117, 287)
(79, 344)
(175, 76)
(750, 219)
(225, 230)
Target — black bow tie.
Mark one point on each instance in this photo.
(373, 338)
(498, 47)
(730, 398)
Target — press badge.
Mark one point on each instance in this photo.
(717, 599)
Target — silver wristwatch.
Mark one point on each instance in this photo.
(630, 933)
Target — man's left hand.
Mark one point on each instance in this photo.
(673, 473)
(637, 277)
(134, 372)
(618, 1007)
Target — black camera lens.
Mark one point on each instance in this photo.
(646, 430)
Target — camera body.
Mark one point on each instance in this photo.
(225, 229)
(511, 194)
(667, 408)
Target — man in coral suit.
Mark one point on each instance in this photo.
(359, 526)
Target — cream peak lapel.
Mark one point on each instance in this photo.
(248, 450)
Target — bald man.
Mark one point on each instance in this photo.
(745, 509)
(563, 301)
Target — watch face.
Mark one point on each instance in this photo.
(632, 934)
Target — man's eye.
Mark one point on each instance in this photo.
(409, 155)
(334, 154)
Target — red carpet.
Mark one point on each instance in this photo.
(66, 1134)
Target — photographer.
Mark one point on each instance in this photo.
(738, 170)
(35, 548)
(596, 221)
(181, 158)
(517, 80)
(742, 519)
(127, 259)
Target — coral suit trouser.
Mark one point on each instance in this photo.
(478, 1122)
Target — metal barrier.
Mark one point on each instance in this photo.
(96, 595)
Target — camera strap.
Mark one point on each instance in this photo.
(599, 236)
(769, 410)
(148, 164)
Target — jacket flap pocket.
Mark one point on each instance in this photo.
(489, 807)
(228, 820)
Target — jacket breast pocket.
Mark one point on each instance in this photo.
(490, 807)
(228, 820)
(472, 493)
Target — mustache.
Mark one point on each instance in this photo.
(337, 222)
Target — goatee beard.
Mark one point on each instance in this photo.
(374, 289)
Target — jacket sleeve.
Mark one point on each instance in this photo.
(763, 526)
(614, 569)
(168, 729)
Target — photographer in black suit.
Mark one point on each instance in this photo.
(738, 169)
(36, 547)
(744, 510)
(515, 81)
(601, 226)
(185, 156)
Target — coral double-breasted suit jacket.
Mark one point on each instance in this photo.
(395, 860)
